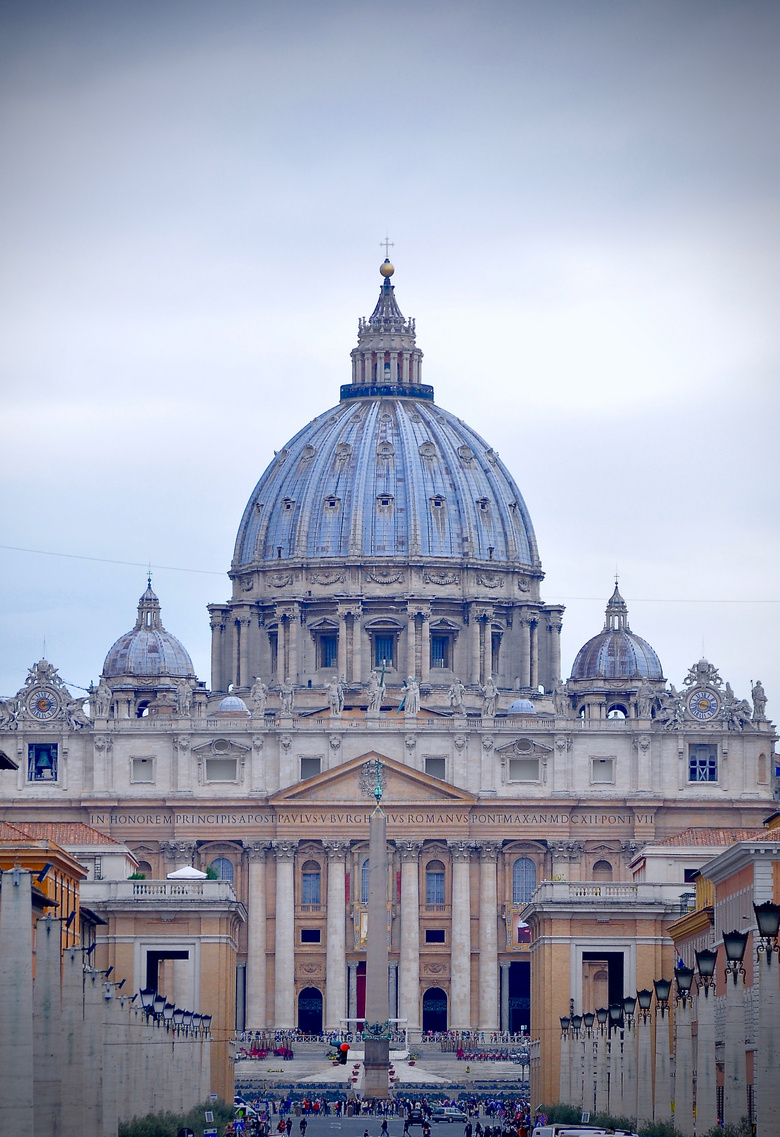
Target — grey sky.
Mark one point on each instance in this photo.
(583, 200)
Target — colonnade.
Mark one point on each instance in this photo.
(480, 1012)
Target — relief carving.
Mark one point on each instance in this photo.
(385, 576)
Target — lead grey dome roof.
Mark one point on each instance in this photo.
(616, 652)
(386, 476)
(148, 651)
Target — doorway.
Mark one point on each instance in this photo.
(434, 1009)
(310, 1011)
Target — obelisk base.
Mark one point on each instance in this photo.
(376, 1067)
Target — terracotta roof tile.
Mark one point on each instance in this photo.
(66, 833)
(714, 838)
(9, 832)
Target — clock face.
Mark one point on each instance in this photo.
(702, 704)
(43, 703)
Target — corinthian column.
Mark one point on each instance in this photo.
(284, 950)
(256, 1005)
(335, 936)
(460, 952)
(409, 968)
(488, 936)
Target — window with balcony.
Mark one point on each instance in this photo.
(310, 883)
(523, 880)
(434, 883)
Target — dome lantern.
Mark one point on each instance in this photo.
(617, 652)
(148, 652)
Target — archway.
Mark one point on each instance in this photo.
(310, 1011)
(434, 1009)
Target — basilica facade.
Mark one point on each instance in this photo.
(386, 603)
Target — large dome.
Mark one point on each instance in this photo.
(148, 651)
(394, 477)
(616, 652)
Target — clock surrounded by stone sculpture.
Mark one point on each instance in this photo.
(43, 703)
(702, 704)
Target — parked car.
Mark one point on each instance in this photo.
(448, 1113)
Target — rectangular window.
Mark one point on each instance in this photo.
(42, 761)
(383, 651)
(495, 652)
(524, 769)
(602, 771)
(98, 869)
(434, 888)
(434, 935)
(690, 875)
(702, 762)
(221, 769)
(142, 770)
(273, 644)
(310, 936)
(436, 767)
(440, 651)
(310, 767)
(329, 651)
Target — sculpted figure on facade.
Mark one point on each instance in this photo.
(455, 696)
(490, 698)
(759, 702)
(645, 697)
(671, 711)
(410, 703)
(376, 692)
(258, 697)
(101, 700)
(561, 700)
(335, 689)
(184, 698)
(287, 697)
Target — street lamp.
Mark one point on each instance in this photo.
(705, 962)
(157, 1005)
(187, 1020)
(615, 1014)
(662, 989)
(629, 1006)
(684, 978)
(602, 1014)
(178, 1016)
(644, 998)
(588, 1019)
(565, 1022)
(196, 1021)
(167, 1014)
(206, 1020)
(576, 1024)
(768, 920)
(735, 943)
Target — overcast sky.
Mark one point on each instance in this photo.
(583, 200)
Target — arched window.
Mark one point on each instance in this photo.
(602, 870)
(434, 883)
(617, 711)
(364, 882)
(523, 880)
(223, 868)
(310, 883)
(145, 868)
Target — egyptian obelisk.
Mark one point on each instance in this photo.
(376, 1033)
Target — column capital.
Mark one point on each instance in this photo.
(489, 850)
(256, 850)
(409, 850)
(178, 850)
(284, 850)
(336, 850)
(460, 850)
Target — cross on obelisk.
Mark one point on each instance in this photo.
(376, 1028)
(387, 244)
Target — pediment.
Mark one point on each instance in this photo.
(342, 784)
(523, 748)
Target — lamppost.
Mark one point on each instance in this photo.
(683, 1053)
(564, 1090)
(576, 1061)
(644, 1081)
(662, 1103)
(765, 1072)
(629, 1056)
(588, 1073)
(615, 1060)
(602, 1069)
(706, 1082)
(734, 1062)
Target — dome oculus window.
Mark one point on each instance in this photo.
(287, 504)
(438, 502)
(332, 502)
(384, 500)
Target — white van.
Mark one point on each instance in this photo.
(566, 1129)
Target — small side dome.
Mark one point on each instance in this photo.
(231, 706)
(521, 707)
(148, 651)
(617, 653)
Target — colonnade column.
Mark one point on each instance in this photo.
(341, 644)
(280, 652)
(256, 1000)
(335, 936)
(504, 969)
(488, 936)
(425, 645)
(243, 625)
(293, 636)
(474, 636)
(352, 1002)
(460, 953)
(533, 627)
(284, 978)
(409, 967)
